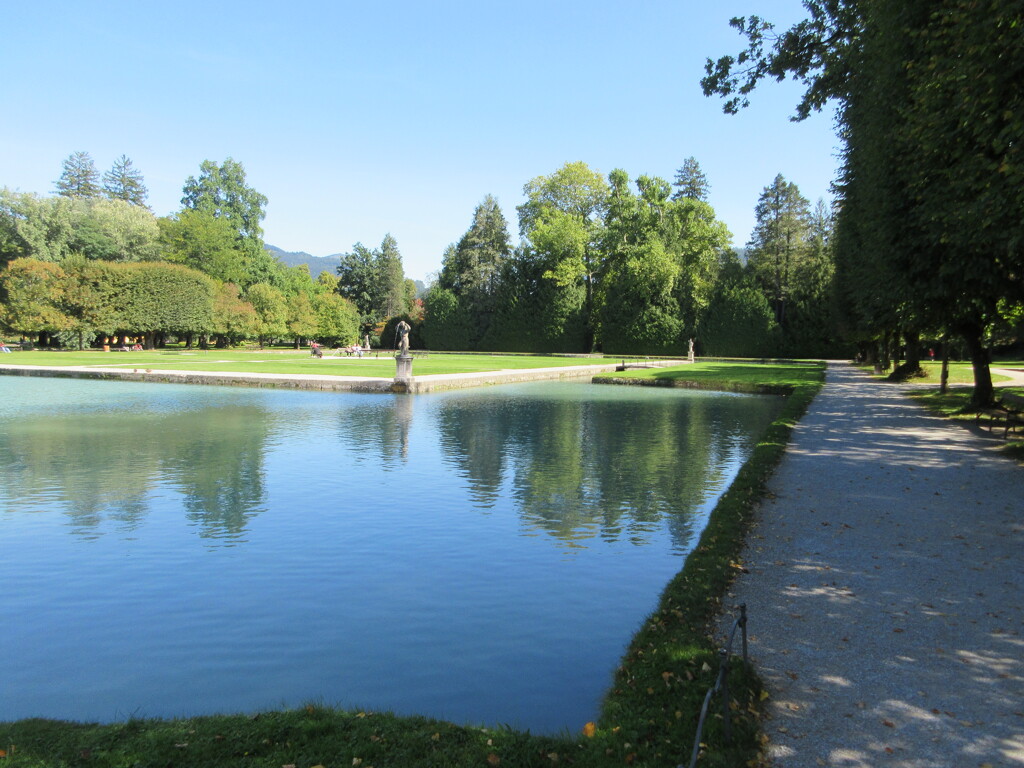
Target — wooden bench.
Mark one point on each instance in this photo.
(1008, 412)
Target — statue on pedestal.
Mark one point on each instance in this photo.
(403, 338)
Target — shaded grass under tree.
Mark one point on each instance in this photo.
(955, 404)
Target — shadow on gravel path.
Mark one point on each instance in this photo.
(886, 589)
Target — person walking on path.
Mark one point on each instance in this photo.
(885, 589)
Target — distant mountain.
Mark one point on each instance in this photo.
(316, 264)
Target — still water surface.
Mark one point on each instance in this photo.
(482, 556)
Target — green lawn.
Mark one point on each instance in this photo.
(959, 373)
(649, 714)
(288, 361)
(735, 377)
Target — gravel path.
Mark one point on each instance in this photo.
(886, 589)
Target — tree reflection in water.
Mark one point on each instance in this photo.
(577, 461)
(100, 466)
(586, 462)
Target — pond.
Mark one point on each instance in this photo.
(482, 556)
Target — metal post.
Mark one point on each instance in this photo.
(726, 715)
(743, 626)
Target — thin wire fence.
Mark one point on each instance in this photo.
(721, 685)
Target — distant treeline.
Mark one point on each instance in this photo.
(602, 264)
(641, 268)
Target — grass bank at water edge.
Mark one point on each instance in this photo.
(648, 718)
(673, 659)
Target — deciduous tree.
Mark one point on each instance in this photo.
(35, 227)
(563, 220)
(271, 311)
(31, 292)
(202, 241)
(931, 118)
(221, 191)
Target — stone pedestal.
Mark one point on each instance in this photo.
(403, 368)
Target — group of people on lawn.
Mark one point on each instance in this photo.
(355, 349)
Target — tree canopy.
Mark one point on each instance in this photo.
(928, 231)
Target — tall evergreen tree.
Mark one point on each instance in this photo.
(473, 265)
(124, 182)
(691, 182)
(779, 241)
(374, 280)
(472, 268)
(79, 177)
(391, 275)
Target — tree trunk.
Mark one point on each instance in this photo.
(876, 354)
(911, 367)
(983, 391)
(944, 377)
(913, 354)
(588, 322)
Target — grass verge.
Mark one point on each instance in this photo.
(649, 715)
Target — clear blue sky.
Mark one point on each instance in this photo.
(357, 119)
